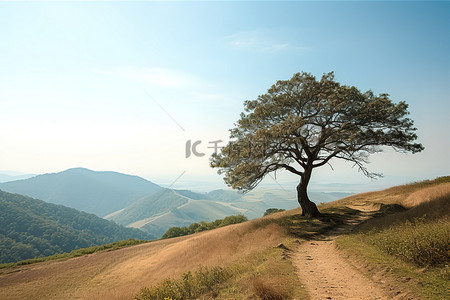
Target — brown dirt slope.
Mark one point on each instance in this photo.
(122, 273)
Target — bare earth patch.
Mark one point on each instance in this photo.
(326, 275)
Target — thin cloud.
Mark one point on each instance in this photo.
(173, 82)
(260, 40)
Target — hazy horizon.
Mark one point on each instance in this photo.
(202, 184)
(123, 86)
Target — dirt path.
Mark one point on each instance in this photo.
(327, 275)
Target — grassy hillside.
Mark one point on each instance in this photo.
(194, 211)
(413, 244)
(394, 236)
(242, 261)
(158, 212)
(149, 206)
(100, 193)
(121, 274)
(31, 228)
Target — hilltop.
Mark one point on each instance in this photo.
(262, 255)
(100, 193)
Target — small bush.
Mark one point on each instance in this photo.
(190, 286)
(419, 242)
(267, 289)
(202, 226)
(273, 210)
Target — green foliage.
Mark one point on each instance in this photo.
(419, 242)
(202, 226)
(190, 286)
(302, 123)
(32, 228)
(78, 252)
(273, 210)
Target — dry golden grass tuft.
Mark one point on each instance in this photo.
(430, 203)
(396, 195)
(426, 195)
(268, 289)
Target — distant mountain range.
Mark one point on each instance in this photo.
(135, 202)
(100, 193)
(31, 228)
(6, 176)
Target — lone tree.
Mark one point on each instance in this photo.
(301, 124)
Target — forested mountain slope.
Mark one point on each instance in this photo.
(30, 228)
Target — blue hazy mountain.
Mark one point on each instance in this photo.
(6, 176)
(95, 192)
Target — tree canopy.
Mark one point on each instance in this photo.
(303, 123)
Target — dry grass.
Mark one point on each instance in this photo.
(268, 289)
(437, 208)
(396, 195)
(404, 242)
(190, 286)
(427, 195)
(77, 253)
(266, 274)
(121, 274)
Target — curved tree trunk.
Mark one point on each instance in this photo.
(309, 208)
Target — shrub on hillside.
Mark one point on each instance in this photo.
(422, 243)
(268, 289)
(190, 286)
(273, 210)
(202, 226)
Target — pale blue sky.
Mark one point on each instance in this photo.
(99, 84)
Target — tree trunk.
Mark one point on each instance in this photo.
(309, 208)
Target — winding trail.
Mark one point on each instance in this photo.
(325, 274)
